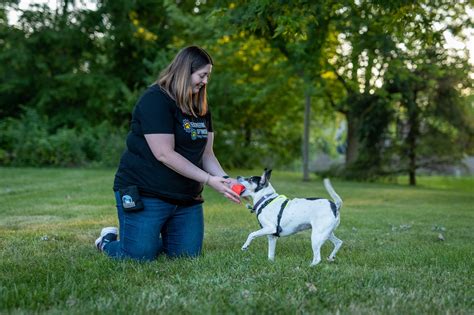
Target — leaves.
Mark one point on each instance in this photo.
(365, 60)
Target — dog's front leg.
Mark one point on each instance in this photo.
(272, 240)
(266, 230)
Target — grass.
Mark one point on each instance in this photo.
(391, 262)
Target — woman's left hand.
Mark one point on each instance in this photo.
(224, 186)
(232, 182)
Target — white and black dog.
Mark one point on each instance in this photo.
(280, 216)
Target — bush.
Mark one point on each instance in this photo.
(27, 141)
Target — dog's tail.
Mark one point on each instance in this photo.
(335, 197)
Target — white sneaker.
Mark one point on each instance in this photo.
(107, 235)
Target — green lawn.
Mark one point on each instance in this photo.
(391, 262)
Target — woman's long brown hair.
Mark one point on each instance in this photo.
(175, 80)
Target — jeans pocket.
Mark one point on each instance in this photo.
(130, 199)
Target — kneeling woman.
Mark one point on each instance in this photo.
(168, 160)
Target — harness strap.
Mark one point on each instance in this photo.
(263, 202)
(261, 208)
(264, 205)
(280, 214)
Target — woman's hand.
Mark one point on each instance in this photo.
(223, 186)
(232, 181)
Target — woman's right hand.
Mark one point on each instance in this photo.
(222, 185)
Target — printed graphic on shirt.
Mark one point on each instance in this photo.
(197, 130)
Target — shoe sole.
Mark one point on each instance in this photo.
(104, 232)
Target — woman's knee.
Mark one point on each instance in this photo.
(144, 252)
(183, 234)
(143, 248)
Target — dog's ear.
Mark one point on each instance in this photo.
(268, 174)
(265, 177)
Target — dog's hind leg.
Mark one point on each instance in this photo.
(272, 240)
(317, 240)
(264, 231)
(337, 244)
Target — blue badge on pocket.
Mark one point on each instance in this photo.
(131, 200)
(128, 202)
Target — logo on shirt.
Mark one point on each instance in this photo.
(187, 125)
(197, 130)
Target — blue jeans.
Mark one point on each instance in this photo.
(160, 227)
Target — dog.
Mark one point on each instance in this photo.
(280, 216)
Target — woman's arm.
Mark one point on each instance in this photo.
(210, 162)
(162, 147)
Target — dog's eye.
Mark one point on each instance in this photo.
(255, 179)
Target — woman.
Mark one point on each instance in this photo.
(169, 158)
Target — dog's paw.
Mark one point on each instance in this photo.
(244, 248)
(331, 259)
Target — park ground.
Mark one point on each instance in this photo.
(407, 250)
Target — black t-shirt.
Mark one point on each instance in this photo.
(155, 112)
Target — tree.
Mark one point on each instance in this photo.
(255, 103)
(78, 71)
(367, 36)
(375, 37)
(78, 66)
(299, 31)
(434, 124)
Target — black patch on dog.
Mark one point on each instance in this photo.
(260, 187)
(333, 208)
(313, 198)
(256, 180)
(303, 227)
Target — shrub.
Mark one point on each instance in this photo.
(27, 141)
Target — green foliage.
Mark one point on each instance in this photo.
(375, 114)
(80, 67)
(254, 115)
(29, 141)
(298, 31)
(434, 123)
(85, 69)
(396, 60)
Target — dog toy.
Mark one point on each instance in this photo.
(238, 189)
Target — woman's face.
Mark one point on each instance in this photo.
(200, 77)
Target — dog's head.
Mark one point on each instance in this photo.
(257, 185)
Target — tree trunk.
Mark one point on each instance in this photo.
(412, 175)
(352, 151)
(411, 141)
(247, 136)
(307, 114)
